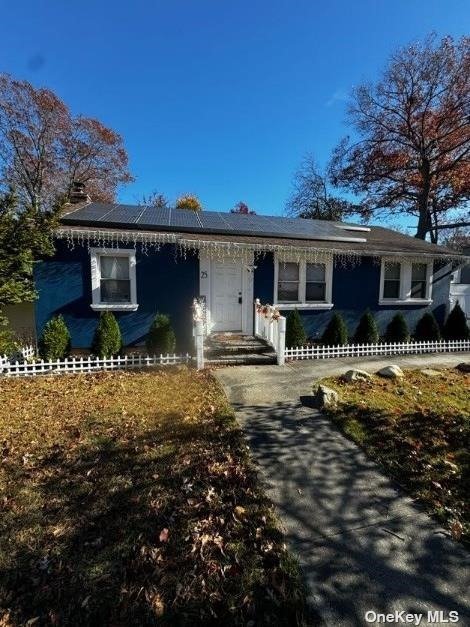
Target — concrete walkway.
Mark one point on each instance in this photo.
(362, 544)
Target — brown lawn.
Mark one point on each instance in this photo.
(418, 429)
(130, 499)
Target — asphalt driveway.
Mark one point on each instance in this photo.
(363, 545)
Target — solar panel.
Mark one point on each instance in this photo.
(157, 218)
(122, 214)
(214, 222)
(154, 216)
(184, 218)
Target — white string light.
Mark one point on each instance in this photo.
(226, 250)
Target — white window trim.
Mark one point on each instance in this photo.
(96, 304)
(405, 285)
(302, 303)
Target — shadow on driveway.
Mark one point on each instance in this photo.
(363, 544)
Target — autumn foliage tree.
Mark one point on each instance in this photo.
(189, 202)
(243, 209)
(411, 152)
(44, 148)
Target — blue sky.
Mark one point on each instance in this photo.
(215, 97)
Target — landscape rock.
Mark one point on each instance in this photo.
(326, 397)
(391, 372)
(356, 375)
(464, 366)
(430, 372)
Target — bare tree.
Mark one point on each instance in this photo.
(155, 199)
(413, 136)
(311, 196)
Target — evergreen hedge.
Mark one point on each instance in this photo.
(161, 337)
(397, 329)
(107, 341)
(367, 331)
(427, 329)
(7, 339)
(295, 331)
(336, 332)
(55, 339)
(455, 327)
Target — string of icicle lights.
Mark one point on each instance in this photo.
(215, 250)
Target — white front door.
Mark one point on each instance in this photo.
(227, 292)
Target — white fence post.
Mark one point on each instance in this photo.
(281, 342)
(256, 318)
(199, 344)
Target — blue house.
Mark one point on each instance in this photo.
(136, 261)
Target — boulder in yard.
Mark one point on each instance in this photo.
(326, 397)
(391, 372)
(430, 372)
(464, 366)
(356, 375)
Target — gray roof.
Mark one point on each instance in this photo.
(248, 228)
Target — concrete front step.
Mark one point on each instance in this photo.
(237, 349)
(242, 360)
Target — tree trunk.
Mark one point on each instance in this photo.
(424, 220)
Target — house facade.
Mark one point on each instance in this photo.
(136, 261)
(460, 287)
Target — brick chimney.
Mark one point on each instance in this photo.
(78, 194)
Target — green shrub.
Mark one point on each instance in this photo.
(336, 332)
(7, 339)
(54, 342)
(295, 332)
(161, 337)
(397, 329)
(366, 332)
(455, 327)
(107, 341)
(427, 329)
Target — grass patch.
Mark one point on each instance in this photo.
(418, 429)
(130, 499)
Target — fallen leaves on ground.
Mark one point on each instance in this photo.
(421, 436)
(129, 498)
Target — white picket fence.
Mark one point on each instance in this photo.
(25, 352)
(89, 364)
(367, 350)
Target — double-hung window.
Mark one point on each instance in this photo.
(115, 281)
(392, 280)
(288, 282)
(405, 283)
(303, 285)
(418, 280)
(113, 277)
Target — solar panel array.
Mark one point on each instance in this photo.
(181, 221)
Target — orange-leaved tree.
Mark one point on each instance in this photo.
(188, 201)
(411, 152)
(44, 148)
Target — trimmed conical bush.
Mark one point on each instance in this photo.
(107, 341)
(295, 332)
(161, 337)
(456, 327)
(427, 329)
(397, 329)
(366, 332)
(55, 339)
(336, 332)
